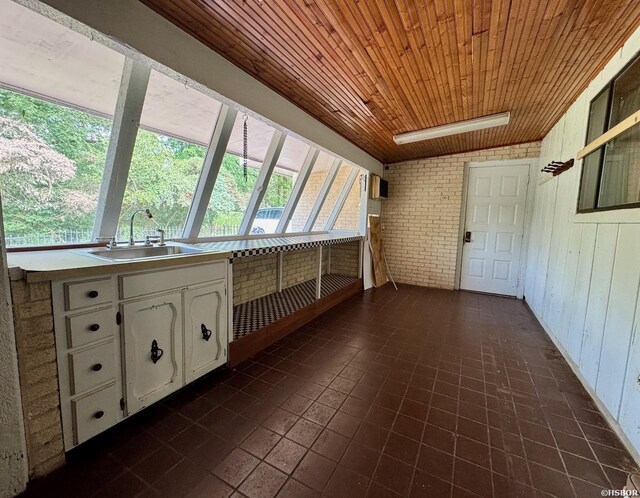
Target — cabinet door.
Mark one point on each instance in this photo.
(205, 326)
(152, 335)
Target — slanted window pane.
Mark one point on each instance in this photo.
(167, 161)
(231, 192)
(292, 157)
(53, 146)
(332, 197)
(349, 217)
(621, 170)
(310, 193)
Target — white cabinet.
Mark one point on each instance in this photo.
(205, 329)
(152, 333)
(95, 412)
(126, 341)
(88, 353)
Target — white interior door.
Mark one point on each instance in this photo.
(494, 229)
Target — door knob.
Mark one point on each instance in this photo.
(467, 237)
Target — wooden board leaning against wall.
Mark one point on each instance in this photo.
(377, 251)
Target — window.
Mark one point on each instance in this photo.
(232, 191)
(611, 173)
(292, 157)
(310, 193)
(55, 123)
(59, 91)
(349, 217)
(175, 128)
(340, 181)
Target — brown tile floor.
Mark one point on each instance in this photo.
(412, 393)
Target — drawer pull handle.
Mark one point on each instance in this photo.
(97, 367)
(156, 352)
(92, 294)
(206, 333)
(94, 327)
(98, 414)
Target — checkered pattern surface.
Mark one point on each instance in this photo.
(255, 247)
(253, 315)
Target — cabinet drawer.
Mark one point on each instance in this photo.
(140, 284)
(89, 327)
(91, 367)
(87, 293)
(95, 413)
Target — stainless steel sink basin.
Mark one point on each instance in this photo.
(142, 252)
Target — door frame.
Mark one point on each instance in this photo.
(532, 162)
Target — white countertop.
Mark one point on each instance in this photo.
(249, 247)
(69, 263)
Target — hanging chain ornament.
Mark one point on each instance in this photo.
(244, 146)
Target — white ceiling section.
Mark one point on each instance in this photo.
(44, 58)
(173, 109)
(292, 156)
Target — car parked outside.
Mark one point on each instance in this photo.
(266, 220)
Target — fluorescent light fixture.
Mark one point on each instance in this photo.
(453, 128)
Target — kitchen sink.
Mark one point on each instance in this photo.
(141, 252)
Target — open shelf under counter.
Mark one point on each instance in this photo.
(253, 315)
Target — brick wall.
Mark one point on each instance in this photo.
(300, 266)
(254, 277)
(345, 259)
(349, 217)
(332, 196)
(307, 200)
(35, 342)
(421, 217)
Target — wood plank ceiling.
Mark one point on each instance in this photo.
(370, 69)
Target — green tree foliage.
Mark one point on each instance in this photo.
(80, 137)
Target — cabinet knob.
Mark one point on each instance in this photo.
(98, 414)
(94, 327)
(97, 367)
(92, 294)
(156, 352)
(206, 333)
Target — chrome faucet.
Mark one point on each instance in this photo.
(150, 239)
(147, 213)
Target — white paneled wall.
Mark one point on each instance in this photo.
(583, 271)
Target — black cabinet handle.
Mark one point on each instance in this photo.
(98, 414)
(94, 327)
(156, 352)
(92, 294)
(206, 333)
(97, 367)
